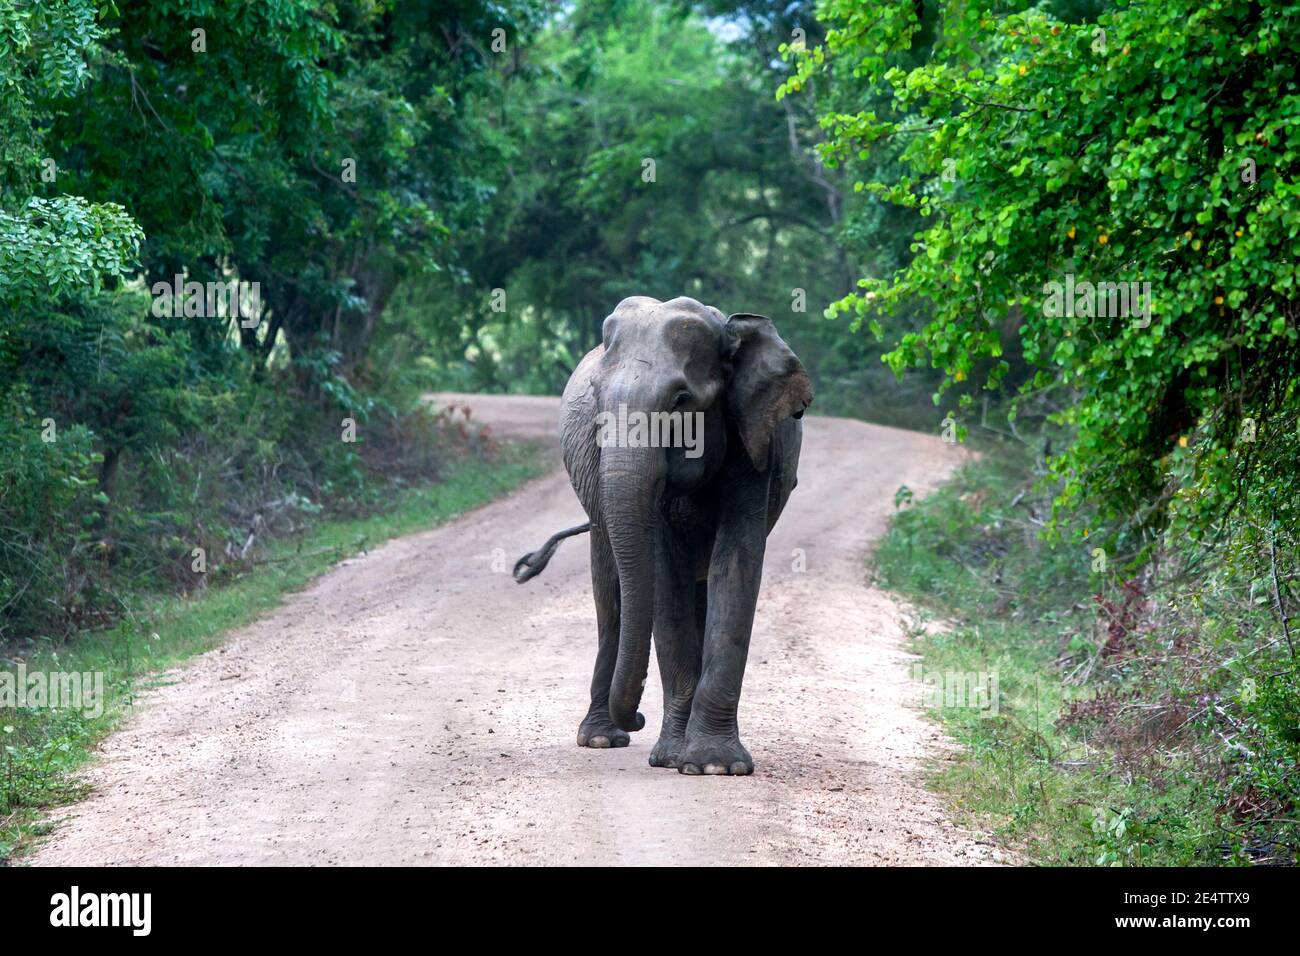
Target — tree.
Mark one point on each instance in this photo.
(643, 152)
(57, 244)
(323, 153)
(1153, 144)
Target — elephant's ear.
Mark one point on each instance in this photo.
(768, 383)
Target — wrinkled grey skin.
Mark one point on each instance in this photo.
(677, 543)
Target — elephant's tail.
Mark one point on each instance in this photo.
(534, 562)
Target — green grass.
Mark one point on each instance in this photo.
(44, 747)
(1053, 796)
(995, 599)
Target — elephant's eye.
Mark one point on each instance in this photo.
(681, 398)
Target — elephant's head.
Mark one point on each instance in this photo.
(678, 356)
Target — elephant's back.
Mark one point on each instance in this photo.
(577, 424)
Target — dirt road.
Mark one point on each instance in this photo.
(415, 705)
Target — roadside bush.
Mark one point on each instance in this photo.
(1146, 717)
(132, 462)
(48, 502)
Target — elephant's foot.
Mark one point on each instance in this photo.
(672, 735)
(667, 752)
(716, 755)
(597, 730)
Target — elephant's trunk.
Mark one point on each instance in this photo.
(632, 482)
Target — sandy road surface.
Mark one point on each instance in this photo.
(416, 706)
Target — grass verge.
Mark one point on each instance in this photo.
(1134, 723)
(43, 747)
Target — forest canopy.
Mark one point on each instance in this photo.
(1152, 147)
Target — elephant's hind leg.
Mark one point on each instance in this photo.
(597, 728)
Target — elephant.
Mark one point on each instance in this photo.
(678, 528)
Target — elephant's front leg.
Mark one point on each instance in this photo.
(677, 639)
(597, 728)
(735, 572)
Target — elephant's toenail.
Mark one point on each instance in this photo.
(714, 768)
(600, 743)
(690, 768)
(739, 768)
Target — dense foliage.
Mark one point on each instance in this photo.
(645, 152)
(320, 153)
(1152, 143)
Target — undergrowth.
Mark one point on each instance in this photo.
(1144, 716)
